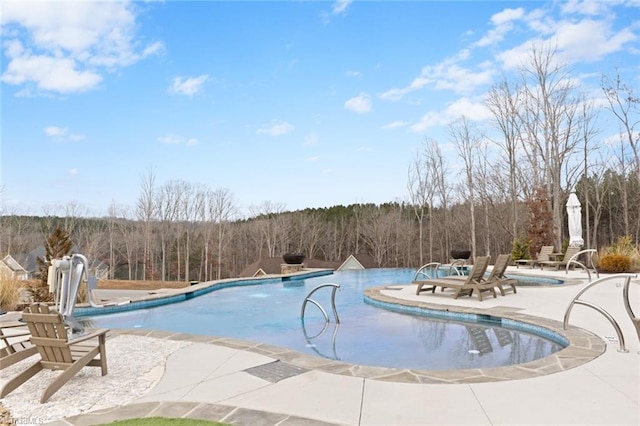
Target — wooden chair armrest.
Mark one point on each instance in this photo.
(12, 324)
(4, 336)
(94, 333)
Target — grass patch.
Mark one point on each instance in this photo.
(166, 421)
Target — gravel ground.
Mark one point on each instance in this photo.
(135, 364)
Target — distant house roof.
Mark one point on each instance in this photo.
(271, 266)
(268, 266)
(12, 264)
(10, 269)
(358, 261)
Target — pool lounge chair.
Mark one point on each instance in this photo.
(14, 346)
(57, 351)
(542, 256)
(474, 282)
(556, 264)
(497, 277)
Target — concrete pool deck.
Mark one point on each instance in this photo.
(245, 383)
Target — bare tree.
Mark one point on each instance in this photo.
(168, 204)
(146, 210)
(439, 171)
(467, 142)
(222, 209)
(503, 102)
(625, 106)
(269, 224)
(550, 120)
(589, 131)
(377, 231)
(421, 186)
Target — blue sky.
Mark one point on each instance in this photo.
(305, 104)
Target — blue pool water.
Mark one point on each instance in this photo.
(369, 335)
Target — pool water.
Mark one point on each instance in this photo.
(368, 335)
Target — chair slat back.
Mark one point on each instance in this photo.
(48, 333)
(571, 251)
(500, 266)
(545, 251)
(480, 264)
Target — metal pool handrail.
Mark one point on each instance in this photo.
(333, 302)
(433, 265)
(453, 268)
(625, 298)
(574, 260)
(436, 266)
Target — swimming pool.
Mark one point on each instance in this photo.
(270, 313)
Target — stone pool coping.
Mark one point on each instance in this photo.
(583, 347)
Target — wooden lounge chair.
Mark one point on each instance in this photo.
(556, 264)
(472, 283)
(497, 277)
(57, 351)
(542, 256)
(16, 346)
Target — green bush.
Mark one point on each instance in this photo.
(615, 263)
(520, 249)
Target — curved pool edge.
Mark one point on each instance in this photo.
(583, 346)
(157, 298)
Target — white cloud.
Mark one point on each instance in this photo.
(503, 23)
(506, 16)
(50, 74)
(55, 131)
(394, 125)
(340, 7)
(584, 34)
(353, 74)
(586, 7)
(590, 40)
(171, 139)
(188, 85)
(73, 172)
(361, 104)
(474, 111)
(449, 75)
(62, 134)
(66, 47)
(313, 159)
(275, 128)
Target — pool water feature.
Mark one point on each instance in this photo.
(367, 335)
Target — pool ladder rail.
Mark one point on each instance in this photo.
(432, 270)
(333, 302)
(573, 261)
(308, 338)
(625, 299)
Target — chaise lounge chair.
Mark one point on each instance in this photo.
(556, 264)
(542, 256)
(473, 282)
(57, 351)
(497, 277)
(15, 346)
